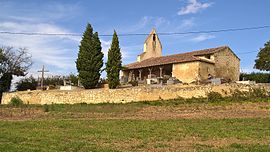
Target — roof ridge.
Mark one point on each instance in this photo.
(176, 58)
(190, 52)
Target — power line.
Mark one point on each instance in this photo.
(218, 31)
(139, 34)
(247, 52)
(39, 34)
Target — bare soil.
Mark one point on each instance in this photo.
(185, 111)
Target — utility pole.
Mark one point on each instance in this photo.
(42, 76)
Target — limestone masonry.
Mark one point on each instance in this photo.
(195, 66)
(125, 95)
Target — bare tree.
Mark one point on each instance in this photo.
(13, 62)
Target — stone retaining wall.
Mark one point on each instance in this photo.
(124, 95)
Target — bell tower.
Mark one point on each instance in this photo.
(152, 47)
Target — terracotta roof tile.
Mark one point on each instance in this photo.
(176, 58)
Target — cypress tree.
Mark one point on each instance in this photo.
(90, 58)
(114, 63)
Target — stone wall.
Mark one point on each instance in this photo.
(205, 69)
(227, 65)
(186, 72)
(125, 95)
(152, 47)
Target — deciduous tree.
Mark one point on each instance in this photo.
(263, 58)
(13, 62)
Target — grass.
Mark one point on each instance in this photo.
(143, 126)
(236, 147)
(131, 107)
(133, 135)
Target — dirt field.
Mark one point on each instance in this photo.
(186, 111)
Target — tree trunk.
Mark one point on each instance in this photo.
(5, 83)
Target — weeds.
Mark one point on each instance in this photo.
(46, 108)
(134, 83)
(16, 101)
(214, 97)
(252, 94)
(259, 93)
(255, 94)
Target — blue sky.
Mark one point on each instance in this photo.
(58, 53)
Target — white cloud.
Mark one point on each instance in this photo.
(105, 47)
(51, 50)
(193, 7)
(59, 52)
(202, 37)
(145, 23)
(56, 52)
(125, 51)
(29, 12)
(249, 70)
(162, 24)
(186, 24)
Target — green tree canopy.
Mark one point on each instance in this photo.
(114, 63)
(27, 83)
(263, 58)
(90, 58)
(53, 81)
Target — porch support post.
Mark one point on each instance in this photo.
(150, 73)
(79, 83)
(130, 75)
(160, 71)
(133, 75)
(140, 74)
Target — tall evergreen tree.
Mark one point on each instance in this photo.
(90, 58)
(263, 58)
(114, 62)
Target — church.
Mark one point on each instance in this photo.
(196, 66)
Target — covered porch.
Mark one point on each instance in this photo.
(147, 73)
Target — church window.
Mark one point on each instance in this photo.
(154, 37)
(208, 56)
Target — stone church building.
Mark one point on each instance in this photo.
(220, 62)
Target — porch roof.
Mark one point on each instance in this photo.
(176, 58)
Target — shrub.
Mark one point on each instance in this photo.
(83, 104)
(214, 96)
(27, 83)
(134, 83)
(196, 100)
(258, 93)
(16, 101)
(239, 95)
(258, 77)
(52, 106)
(46, 108)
